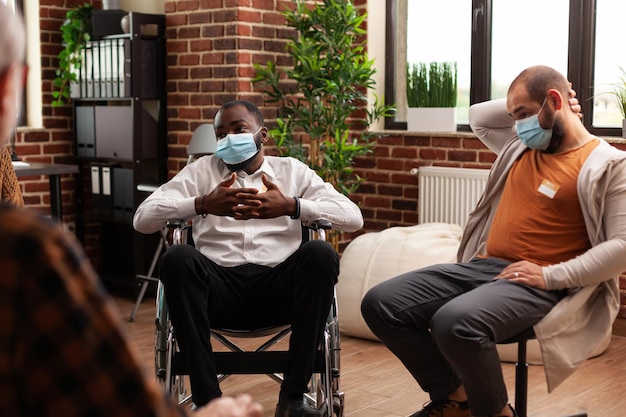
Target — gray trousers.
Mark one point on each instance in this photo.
(443, 323)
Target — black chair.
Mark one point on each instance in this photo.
(170, 367)
(521, 373)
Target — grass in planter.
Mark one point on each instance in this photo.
(431, 85)
(619, 90)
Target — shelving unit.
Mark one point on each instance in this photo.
(119, 105)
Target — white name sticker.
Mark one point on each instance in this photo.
(548, 188)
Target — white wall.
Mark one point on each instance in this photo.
(144, 6)
(376, 50)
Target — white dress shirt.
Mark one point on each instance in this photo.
(230, 242)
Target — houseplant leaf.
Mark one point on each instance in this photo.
(320, 94)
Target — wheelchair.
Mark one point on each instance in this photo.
(323, 389)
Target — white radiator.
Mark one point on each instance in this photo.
(448, 195)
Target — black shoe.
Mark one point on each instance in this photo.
(295, 408)
(444, 408)
(513, 410)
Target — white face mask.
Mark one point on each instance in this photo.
(236, 148)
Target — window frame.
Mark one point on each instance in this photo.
(18, 5)
(580, 65)
(22, 115)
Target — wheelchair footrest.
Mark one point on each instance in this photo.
(267, 362)
(250, 362)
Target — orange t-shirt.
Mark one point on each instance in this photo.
(539, 218)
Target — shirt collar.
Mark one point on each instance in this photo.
(265, 168)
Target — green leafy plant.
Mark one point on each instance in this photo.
(75, 32)
(431, 85)
(619, 91)
(323, 96)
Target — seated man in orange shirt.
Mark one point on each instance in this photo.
(551, 225)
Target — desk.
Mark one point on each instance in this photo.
(54, 172)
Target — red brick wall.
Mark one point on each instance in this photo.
(389, 195)
(212, 46)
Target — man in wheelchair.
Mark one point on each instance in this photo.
(249, 268)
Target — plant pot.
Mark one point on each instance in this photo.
(111, 4)
(431, 119)
(624, 128)
(125, 24)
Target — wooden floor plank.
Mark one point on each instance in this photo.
(377, 385)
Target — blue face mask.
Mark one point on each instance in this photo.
(237, 147)
(532, 134)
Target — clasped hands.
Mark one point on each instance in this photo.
(248, 203)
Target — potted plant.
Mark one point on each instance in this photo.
(431, 91)
(619, 91)
(324, 114)
(76, 33)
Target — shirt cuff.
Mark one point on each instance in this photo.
(308, 210)
(187, 208)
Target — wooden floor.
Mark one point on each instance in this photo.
(376, 384)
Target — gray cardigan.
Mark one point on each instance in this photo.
(583, 320)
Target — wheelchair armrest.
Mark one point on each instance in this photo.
(315, 229)
(177, 229)
(176, 223)
(318, 225)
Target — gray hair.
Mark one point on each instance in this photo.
(12, 38)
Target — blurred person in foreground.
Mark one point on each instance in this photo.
(62, 350)
(542, 250)
(10, 191)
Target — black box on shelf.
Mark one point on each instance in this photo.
(114, 132)
(123, 188)
(107, 22)
(85, 131)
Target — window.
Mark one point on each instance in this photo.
(431, 40)
(18, 5)
(609, 58)
(493, 40)
(30, 115)
(518, 40)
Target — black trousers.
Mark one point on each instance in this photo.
(443, 323)
(201, 294)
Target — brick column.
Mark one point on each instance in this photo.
(212, 46)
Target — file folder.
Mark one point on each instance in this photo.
(95, 180)
(123, 204)
(102, 204)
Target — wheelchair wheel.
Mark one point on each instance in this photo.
(165, 348)
(334, 349)
(324, 391)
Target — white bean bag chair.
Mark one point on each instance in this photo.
(374, 257)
